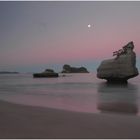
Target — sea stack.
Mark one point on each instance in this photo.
(48, 73)
(121, 68)
(68, 69)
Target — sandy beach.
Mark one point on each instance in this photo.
(18, 121)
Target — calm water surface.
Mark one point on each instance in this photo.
(76, 92)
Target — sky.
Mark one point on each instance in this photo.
(48, 34)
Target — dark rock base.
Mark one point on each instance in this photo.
(117, 81)
(45, 75)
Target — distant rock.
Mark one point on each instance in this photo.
(121, 68)
(48, 73)
(8, 72)
(68, 69)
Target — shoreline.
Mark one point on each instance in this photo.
(21, 121)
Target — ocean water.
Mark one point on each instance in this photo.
(75, 92)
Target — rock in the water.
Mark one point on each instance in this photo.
(8, 72)
(121, 68)
(47, 73)
(69, 69)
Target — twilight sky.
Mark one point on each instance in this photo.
(39, 35)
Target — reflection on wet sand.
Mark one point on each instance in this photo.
(117, 98)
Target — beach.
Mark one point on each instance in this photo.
(21, 121)
(69, 70)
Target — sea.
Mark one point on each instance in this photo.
(82, 92)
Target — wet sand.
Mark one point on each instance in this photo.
(19, 121)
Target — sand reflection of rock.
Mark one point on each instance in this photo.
(117, 98)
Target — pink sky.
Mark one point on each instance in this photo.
(57, 32)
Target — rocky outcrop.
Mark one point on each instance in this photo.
(69, 69)
(47, 73)
(121, 68)
(8, 72)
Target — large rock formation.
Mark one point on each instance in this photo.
(121, 68)
(47, 73)
(69, 69)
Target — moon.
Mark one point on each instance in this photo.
(89, 25)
